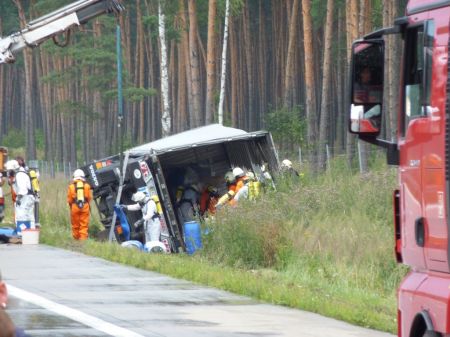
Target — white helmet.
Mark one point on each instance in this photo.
(138, 196)
(78, 174)
(251, 175)
(229, 177)
(286, 163)
(12, 165)
(238, 172)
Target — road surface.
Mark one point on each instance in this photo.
(55, 293)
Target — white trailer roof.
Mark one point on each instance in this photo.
(209, 134)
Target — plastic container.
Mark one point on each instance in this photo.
(133, 244)
(192, 236)
(30, 236)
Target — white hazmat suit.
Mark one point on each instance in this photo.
(152, 223)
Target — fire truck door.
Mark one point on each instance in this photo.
(433, 173)
(412, 131)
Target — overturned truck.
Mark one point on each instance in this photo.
(158, 168)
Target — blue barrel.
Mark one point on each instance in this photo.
(192, 236)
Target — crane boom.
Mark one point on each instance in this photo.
(52, 24)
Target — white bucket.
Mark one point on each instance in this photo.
(30, 236)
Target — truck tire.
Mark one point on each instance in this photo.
(430, 333)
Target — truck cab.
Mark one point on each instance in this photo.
(421, 152)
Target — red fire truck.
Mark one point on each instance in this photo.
(421, 151)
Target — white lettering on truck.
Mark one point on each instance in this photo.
(94, 176)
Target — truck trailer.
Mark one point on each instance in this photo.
(158, 169)
(421, 151)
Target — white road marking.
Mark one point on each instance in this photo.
(76, 315)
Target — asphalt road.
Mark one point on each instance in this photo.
(55, 293)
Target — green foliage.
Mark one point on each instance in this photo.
(286, 125)
(15, 138)
(72, 108)
(318, 13)
(132, 94)
(42, 7)
(236, 7)
(151, 22)
(10, 17)
(39, 140)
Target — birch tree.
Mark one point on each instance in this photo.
(165, 118)
(224, 62)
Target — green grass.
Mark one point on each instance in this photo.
(322, 244)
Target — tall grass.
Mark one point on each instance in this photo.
(322, 243)
(330, 233)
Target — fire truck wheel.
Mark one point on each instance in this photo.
(430, 333)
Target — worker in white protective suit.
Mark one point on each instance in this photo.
(150, 216)
(24, 205)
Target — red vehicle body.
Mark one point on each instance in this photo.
(422, 153)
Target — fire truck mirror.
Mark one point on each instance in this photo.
(367, 73)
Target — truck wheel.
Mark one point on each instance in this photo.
(430, 333)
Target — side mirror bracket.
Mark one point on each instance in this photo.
(393, 154)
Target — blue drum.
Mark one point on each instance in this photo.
(192, 236)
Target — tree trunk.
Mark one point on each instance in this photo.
(311, 110)
(289, 73)
(185, 44)
(224, 62)
(352, 32)
(325, 105)
(140, 69)
(394, 76)
(166, 119)
(211, 63)
(196, 115)
(28, 65)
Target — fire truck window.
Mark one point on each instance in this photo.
(418, 65)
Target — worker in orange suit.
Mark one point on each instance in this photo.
(208, 201)
(239, 177)
(78, 197)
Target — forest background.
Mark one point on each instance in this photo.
(287, 71)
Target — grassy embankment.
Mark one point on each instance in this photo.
(324, 244)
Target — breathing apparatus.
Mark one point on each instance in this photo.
(79, 187)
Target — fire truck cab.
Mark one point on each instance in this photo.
(422, 152)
